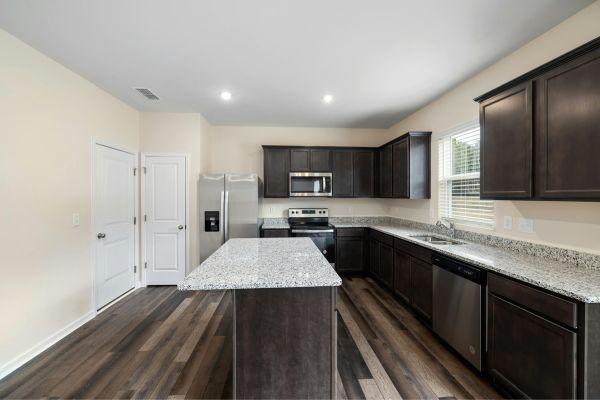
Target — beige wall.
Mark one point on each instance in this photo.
(567, 224)
(48, 117)
(180, 133)
(238, 149)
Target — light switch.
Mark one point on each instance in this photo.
(526, 225)
(507, 222)
(76, 219)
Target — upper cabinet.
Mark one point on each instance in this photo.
(277, 171)
(540, 133)
(363, 166)
(400, 168)
(507, 145)
(310, 160)
(342, 173)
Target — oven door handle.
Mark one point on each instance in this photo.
(312, 231)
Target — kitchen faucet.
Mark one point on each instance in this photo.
(446, 223)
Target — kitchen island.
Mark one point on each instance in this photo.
(284, 326)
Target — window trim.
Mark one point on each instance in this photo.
(470, 125)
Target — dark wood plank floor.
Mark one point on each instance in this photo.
(159, 343)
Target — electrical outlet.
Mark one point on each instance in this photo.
(526, 225)
(507, 222)
(76, 219)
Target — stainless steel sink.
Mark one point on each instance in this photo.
(435, 239)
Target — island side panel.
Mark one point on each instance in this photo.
(285, 343)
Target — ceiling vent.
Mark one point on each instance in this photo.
(147, 93)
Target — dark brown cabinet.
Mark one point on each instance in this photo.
(400, 168)
(410, 166)
(342, 173)
(385, 171)
(421, 279)
(540, 132)
(274, 233)
(363, 167)
(299, 160)
(374, 257)
(568, 130)
(276, 174)
(320, 160)
(402, 281)
(386, 264)
(531, 355)
(350, 249)
(506, 144)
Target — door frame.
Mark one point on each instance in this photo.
(93, 238)
(144, 155)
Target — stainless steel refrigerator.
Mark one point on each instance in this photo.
(228, 209)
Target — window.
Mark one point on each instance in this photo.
(459, 178)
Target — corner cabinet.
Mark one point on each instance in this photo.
(540, 133)
(410, 167)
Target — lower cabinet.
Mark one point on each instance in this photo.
(386, 264)
(374, 258)
(271, 233)
(349, 253)
(402, 275)
(421, 284)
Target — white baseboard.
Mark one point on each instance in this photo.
(23, 358)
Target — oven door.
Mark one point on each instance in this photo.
(310, 184)
(324, 239)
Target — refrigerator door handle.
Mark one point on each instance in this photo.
(222, 215)
(226, 222)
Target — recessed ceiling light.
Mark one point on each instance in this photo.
(327, 98)
(225, 95)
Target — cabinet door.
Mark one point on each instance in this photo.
(320, 160)
(506, 139)
(299, 160)
(402, 275)
(568, 130)
(385, 172)
(364, 173)
(529, 353)
(374, 257)
(349, 254)
(342, 173)
(421, 275)
(386, 264)
(400, 169)
(277, 168)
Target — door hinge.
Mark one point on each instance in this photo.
(145, 265)
(145, 217)
(134, 171)
(144, 169)
(134, 269)
(134, 220)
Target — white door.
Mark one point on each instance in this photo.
(114, 228)
(165, 219)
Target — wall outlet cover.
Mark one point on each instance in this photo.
(526, 225)
(507, 222)
(75, 219)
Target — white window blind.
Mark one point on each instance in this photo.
(459, 178)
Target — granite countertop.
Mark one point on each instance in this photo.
(576, 282)
(267, 225)
(263, 263)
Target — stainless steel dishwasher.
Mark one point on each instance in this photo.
(458, 295)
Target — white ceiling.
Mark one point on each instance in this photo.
(381, 59)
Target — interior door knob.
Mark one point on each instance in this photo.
(180, 227)
(101, 235)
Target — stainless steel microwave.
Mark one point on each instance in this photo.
(310, 184)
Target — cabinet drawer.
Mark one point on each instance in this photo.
(548, 305)
(413, 249)
(382, 237)
(350, 232)
(273, 233)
